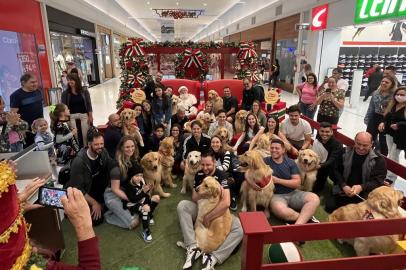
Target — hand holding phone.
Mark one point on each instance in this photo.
(51, 196)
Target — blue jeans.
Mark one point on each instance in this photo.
(306, 111)
(116, 215)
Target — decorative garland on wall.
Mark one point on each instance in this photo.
(191, 64)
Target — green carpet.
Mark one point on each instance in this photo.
(124, 248)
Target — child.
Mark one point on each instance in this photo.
(156, 138)
(139, 201)
(16, 128)
(65, 142)
(45, 141)
(4, 144)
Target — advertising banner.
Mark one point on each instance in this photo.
(18, 54)
(167, 30)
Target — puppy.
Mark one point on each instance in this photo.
(129, 125)
(256, 171)
(308, 162)
(211, 238)
(192, 166)
(239, 121)
(175, 102)
(217, 101)
(167, 151)
(206, 119)
(151, 162)
(382, 202)
(263, 145)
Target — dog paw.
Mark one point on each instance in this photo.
(244, 209)
(166, 195)
(183, 191)
(174, 185)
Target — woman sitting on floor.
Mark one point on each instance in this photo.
(126, 157)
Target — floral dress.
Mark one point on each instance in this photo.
(327, 110)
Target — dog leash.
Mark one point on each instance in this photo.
(359, 197)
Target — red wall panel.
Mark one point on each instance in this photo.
(25, 16)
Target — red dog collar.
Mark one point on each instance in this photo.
(265, 181)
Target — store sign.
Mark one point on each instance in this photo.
(375, 10)
(87, 33)
(319, 18)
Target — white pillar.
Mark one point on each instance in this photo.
(331, 41)
(356, 87)
(48, 45)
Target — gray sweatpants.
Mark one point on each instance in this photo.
(187, 213)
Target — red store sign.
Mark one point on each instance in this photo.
(319, 18)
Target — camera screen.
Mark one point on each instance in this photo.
(52, 197)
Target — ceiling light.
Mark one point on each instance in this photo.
(204, 4)
(148, 3)
(177, 3)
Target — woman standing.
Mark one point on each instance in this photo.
(176, 133)
(331, 100)
(256, 109)
(80, 106)
(307, 95)
(374, 116)
(394, 126)
(251, 128)
(161, 109)
(126, 158)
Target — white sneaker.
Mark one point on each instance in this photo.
(192, 254)
(208, 262)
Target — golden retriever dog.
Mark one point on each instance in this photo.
(224, 135)
(129, 125)
(256, 172)
(240, 121)
(217, 101)
(206, 119)
(308, 162)
(210, 239)
(175, 101)
(151, 162)
(167, 151)
(263, 145)
(192, 166)
(382, 202)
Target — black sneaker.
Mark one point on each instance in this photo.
(233, 204)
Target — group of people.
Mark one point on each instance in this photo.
(106, 168)
(386, 114)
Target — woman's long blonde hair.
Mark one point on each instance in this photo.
(393, 102)
(125, 163)
(393, 81)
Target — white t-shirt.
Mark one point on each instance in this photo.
(296, 133)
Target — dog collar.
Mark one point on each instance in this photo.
(265, 181)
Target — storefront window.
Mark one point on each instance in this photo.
(106, 55)
(116, 47)
(285, 53)
(18, 55)
(73, 49)
(168, 65)
(214, 67)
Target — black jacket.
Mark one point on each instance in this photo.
(66, 95)
(190, 144)
(374, 80)
(335, 150)
(248, 97)
(373, 170)
(81, 175)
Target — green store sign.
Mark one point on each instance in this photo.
(375, 10)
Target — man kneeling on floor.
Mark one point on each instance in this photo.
(289, 203)
(187, 212)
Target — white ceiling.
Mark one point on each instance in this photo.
(141, 11)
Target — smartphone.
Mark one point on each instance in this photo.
(50, 196)
(328, 90)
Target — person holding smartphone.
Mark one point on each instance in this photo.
(331, 100)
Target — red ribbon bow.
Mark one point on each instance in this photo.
(133, 47)
(193, 57)
(247, 51)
